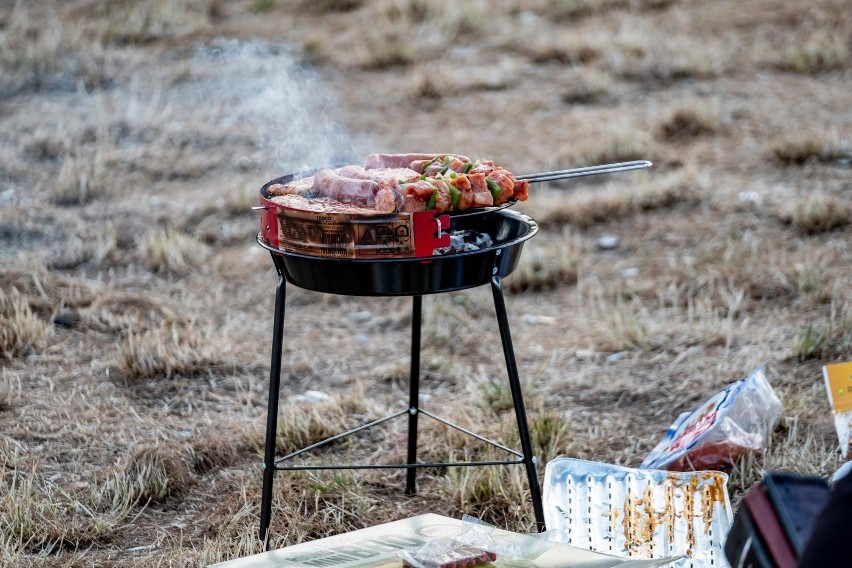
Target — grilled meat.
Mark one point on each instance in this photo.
(412, 182)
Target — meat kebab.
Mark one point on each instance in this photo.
(387, 183)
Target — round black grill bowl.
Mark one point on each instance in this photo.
(417, 276)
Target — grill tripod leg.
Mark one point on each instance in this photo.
(518, 401)
(272, 410)
(414, 394)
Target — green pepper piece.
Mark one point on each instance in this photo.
(430, 203)
(455, 195)
(495, 189)
(467, 167)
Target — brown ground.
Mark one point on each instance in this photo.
(135, 313)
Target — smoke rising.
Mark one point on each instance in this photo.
(287, 106)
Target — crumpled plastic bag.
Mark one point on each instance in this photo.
(732, 423)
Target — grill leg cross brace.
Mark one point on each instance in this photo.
(271, 464)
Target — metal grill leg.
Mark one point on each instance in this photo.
(272, 410)
(414, 394)
(518, 401)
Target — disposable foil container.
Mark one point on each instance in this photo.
(360, 235)
(639, 513)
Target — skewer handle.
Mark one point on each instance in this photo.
(587, 171)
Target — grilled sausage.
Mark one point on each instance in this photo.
(344, 189)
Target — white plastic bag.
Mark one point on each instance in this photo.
(732, 423)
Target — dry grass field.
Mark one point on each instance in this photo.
(136, 308)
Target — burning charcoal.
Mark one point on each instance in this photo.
(456, 241)
(465, 241)
(483, 240)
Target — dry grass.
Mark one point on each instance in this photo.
(585, 209)
(8, 389)
(587, 86)
(495, 492)
(41, 518)
(625, 324)
(567, 49)
(39, 51)
(325, 6)
(494, 395)
(811, 280)
(118, 312)
(46, 146)
(96, 250)
(300, 425)
(642, 56)
(20, 330)
(547, 264)
(220, 450)
(620, 143)
(46, 290)
(689, 122)
(435, 83)
(151, 473)
(550, 433)
(132, 149)
(168, 351)
(798, 149)
(817, 212)
(498, 492)
(574, 9)
(169, 251)
(454, 324)
(146, 21)
(570, 9)
(34, 43)
(829, 337)
(822, 50)
(78, 183)
(399, 32)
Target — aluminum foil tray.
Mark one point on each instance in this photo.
(639, 513)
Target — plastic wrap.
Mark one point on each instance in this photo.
(446, 553)
(735, 421)
(506, 544)
(477, 544)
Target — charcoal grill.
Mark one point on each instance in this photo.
(414, 276)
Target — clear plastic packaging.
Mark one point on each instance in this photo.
(735, 421)
(506, 544)
(477, 544)
(446, 553)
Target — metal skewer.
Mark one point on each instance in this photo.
(586, 171)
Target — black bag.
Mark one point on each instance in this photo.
(774, 521)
